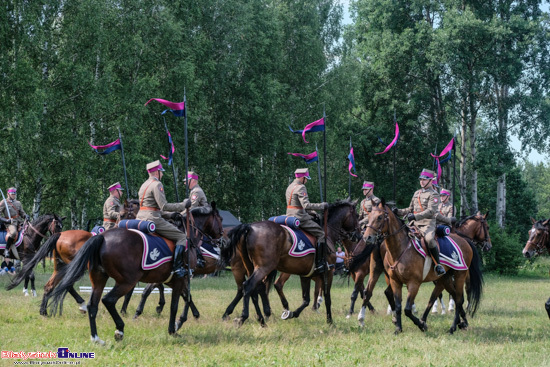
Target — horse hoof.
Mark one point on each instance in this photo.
(239, 322)
(463, 325)
(398, 331)
(96, 340)
(25, 292)
(348, 316)
(178, 325)
(225, 317)
(119, 335)
(159, 310)
(123, 313)
(83, 308)
(33, 293)
(286, 315)
(424, 326)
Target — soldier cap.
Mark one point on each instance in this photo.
(427, 174)
(367, 185)
(154, 166)
(12, 190)
(302, 172)
(191, 176)
(115, 186)
(445, 192)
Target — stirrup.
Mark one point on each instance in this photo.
(439, 270)
(200, 263)
(181, 272)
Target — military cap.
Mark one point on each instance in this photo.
(154, 166)
(12, 190)
(427, 174)
(302, 172)
(445, 192)
(367, 185)
(115, 186)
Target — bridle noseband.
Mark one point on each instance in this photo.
(486, 238)
(540, 246)
(52, 228)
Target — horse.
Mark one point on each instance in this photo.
(117, 254)
(33, 233)
(64, 246)
(264, 248)
(537, 244)
(405, 267)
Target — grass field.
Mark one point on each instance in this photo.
(511, 328)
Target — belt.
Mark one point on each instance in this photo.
(149, 208)
(294, 207)
(109, 220)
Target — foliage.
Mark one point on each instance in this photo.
(505, 255)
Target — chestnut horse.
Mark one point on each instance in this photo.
(404, 266)
(537, 244)
(117, 254)
(64, 246)
(264, 247)
(33, 233)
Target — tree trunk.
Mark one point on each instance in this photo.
(501, 201)
(473, 153)
(464, 205)
(74, 214)
(39, 187)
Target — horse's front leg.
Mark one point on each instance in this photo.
(547, 306)
(413, 291)
(305, 283)
(397, 289)
(179, 288)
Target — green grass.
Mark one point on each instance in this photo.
(511, 328)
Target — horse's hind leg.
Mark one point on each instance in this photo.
(279, 284)
(146, 292)
(110, 300)
(98, 284)
(162, 300)
(436, 294)
(305, 282)
(33, 288)
(413, 290)
(127, 298)
(250, 286)
(78, 299)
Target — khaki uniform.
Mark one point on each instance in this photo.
(111, 212)
(16, 213)
(444, 213)
(197, 197)
(365, 208)
(297, 203)
(153, 206)
(425, 206)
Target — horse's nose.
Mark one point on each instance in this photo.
(370, 240)
(527, 254)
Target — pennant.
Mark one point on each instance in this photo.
(315, 126)
(309, 158)
(351, 163)
(177, 108)
(109, 148)
(393, 142)
(445, 150)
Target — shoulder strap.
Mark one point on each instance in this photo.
(144, 192)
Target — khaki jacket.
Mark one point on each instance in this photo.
(425, 206)
(16, 211)
(445, 213)
(297, 201)
(365, 208)
(197, 197)
(111, 212)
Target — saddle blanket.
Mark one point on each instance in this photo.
(208, 250)
(301, 245)
(3, 240)
(97, 230)
(156, 250)
(450, 253)
(288, 221)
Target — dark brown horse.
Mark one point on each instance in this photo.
(404, 266)
(537, 244)
(264, 249)
(33, 234)
(64, 246)
(117, 254)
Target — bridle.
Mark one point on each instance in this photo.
(381, 236)
(199, 233)
(540, 246)
(52, 228)
(338, 234)
(486, 242)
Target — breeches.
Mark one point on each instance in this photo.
(12, 231)
(168, 230)
(313, 228)
(429, 235)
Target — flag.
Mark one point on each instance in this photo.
(309, 158)
(393, 142)
(351, 163)
(172, 149)
(177, 108)
(315, 126)
(445, 150)
(111, 147)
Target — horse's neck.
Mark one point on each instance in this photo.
(468, 229)
(396, 243)
(32, 239)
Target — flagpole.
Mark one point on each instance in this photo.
(173, 165)
(123, 164)
(454, 174)
(394, 149)
(319, 174)
(325, 150)
(186, 148)
(349, 176)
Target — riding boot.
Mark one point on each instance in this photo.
(320, 257)
(179, 270)
(200, 259)
(439, 269)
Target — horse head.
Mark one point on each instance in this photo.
(343, 221)
(130, 209)
(539, 238)
(206, 222)
(378, 225)
(38, 228)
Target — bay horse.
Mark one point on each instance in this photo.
(264, 248)
(117, 254)
(537, 244)
(63, 246)
(33, 234)
(404, 266)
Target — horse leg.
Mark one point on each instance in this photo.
(436, 293)
(127, 298)
(279, 284)
(146, 292)
(259, 316)
(229, 310)
(547, 306)
(78, 299)
(183, 317)
(48, 288)
(98, 284)
(397, 294)
(33, 288)
(358, 290)
(110, 300)
(328, 299)
(457, 291)
(305, 282)
(162, 300)
(249, 287)
(412, 292)
(265, 300)
(26, 286)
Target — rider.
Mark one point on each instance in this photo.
(445, 213)
(197, 198)
(154, 207)
(366, 204)
(297, 204)
(422, 210)
(17, 215)
(112, 206)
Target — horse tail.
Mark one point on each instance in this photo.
(270, 280)
(89, 253)
(41, 254)
(235, 235)
(476, 282)
(359, 259)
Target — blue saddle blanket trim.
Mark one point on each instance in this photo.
(3, 240)
(155, 251)
(450, 253)
(286, 220)
(301, 245)
(208, 250)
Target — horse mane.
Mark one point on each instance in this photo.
(464, 220)
(43, 217)
(337, 204)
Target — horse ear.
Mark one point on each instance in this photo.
(63, 218)
(533, 220)
(213, 205)
(478, 213)
(545, 223)
(486, 215)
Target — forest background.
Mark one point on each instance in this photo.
(79, 71)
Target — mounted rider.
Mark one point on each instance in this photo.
(445, 213)
(366, 204)
(12, 214)
(154, 207)
(422, 211)
(112, 207)
(197, 198)
(297, 203)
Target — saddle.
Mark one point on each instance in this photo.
(441, 232)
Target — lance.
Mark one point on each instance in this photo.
(454, 172)
(394, 149)
(6, 204)
(173, 165)
(186, 148)
(325, 150)
(123, 163)
(349, 176)
(319, 174)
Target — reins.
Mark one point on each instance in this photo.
(541, 246)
